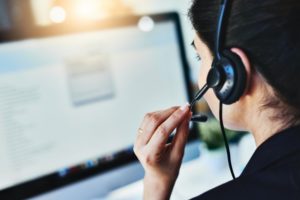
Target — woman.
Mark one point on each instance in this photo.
(265, 35)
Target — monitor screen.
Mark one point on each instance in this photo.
(72, 102)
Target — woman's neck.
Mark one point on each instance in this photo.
(262, 126)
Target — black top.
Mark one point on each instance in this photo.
(273, 172)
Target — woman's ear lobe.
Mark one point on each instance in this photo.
(246, 62)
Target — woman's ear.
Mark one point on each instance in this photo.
(247, 65)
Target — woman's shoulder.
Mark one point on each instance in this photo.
(273, 172)
(275, 184)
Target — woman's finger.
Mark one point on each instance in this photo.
(160, 137)
(150, 123)
(180, 139)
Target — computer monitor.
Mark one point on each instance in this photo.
(72, 97)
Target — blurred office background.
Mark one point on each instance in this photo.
(20, 15)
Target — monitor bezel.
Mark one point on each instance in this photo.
(52, 181)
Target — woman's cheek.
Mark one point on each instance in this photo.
(212, 102)
(204, 69)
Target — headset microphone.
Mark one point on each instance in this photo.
(199, 118)
(214, 79)
(199, 95)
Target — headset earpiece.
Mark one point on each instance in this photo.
(231, 74)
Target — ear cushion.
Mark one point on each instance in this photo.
(240, 77)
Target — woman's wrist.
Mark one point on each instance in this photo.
(157, 188)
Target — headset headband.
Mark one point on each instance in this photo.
(220, 29)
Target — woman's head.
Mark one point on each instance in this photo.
(266, 35)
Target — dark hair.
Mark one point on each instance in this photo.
(269, 32)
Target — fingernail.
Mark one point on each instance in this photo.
(185, 107)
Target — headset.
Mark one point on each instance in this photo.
(227, 76)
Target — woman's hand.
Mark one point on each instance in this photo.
(160, 160)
